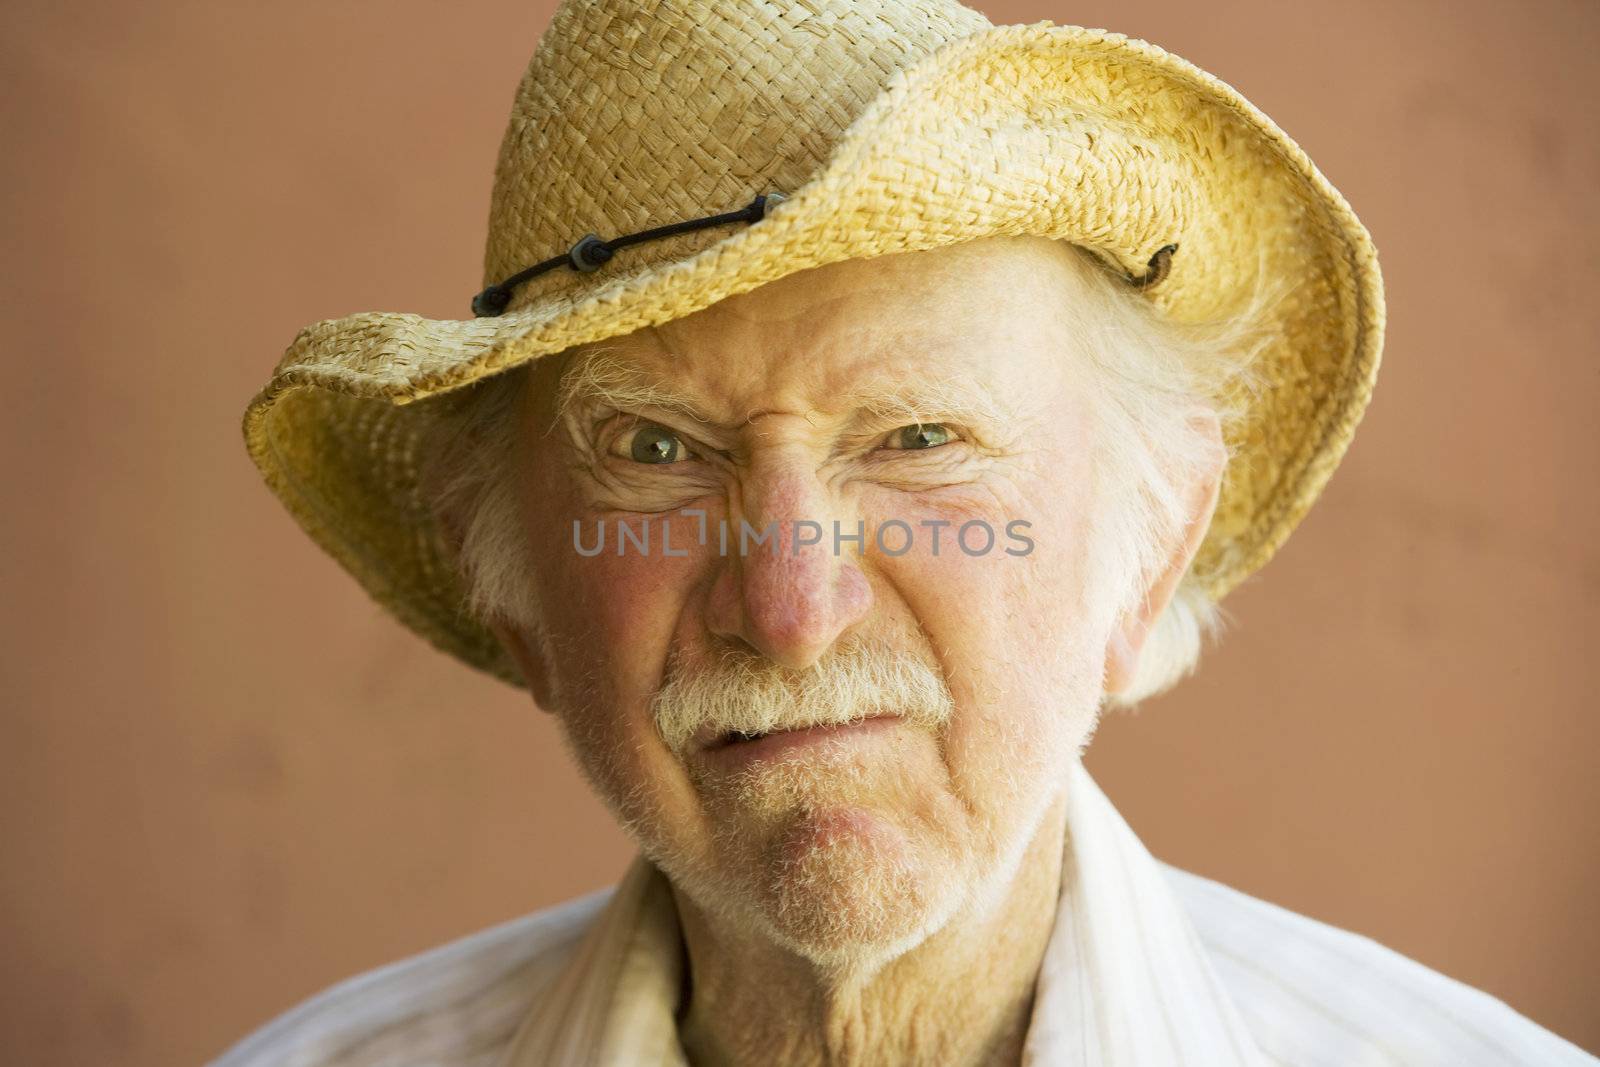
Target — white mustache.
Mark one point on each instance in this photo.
(743, 692)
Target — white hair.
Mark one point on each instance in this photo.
(1157, 386)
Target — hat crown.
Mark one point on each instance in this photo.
(633, 115)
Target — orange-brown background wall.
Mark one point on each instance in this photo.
(226, 779)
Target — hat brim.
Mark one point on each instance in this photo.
(1056, 131)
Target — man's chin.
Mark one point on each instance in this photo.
(847, 886)
(845, 857)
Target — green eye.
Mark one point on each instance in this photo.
(920, 436)
(656, 444)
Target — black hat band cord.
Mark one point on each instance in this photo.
(590, 252)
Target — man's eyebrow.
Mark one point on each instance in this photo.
(600, 377)
(958, 397)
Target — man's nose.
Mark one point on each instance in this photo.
(791, 597)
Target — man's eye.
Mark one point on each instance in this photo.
(920, 436)
(649, 443)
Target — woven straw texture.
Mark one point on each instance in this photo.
(891, 126)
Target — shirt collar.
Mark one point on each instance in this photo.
(1124, 982)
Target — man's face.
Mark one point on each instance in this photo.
(830, 747)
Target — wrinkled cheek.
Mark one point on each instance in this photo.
(639, 779)
(1027, 693)
(615, 598)
(613, 618)
(1001, 753)
(626, 609)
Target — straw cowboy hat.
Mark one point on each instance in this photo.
(633, 188)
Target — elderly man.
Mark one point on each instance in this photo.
(934, 382)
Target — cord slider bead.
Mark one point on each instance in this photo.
(589, 253)
(491, 302)
(765, 203)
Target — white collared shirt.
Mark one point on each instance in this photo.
(1147, 966)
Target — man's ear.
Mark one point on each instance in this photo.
(1129, 636)
(531, 661)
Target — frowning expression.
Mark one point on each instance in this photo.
(834, 743)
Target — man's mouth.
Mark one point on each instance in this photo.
(734, 737)
(740, 746)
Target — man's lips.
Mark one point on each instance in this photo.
(735, 748)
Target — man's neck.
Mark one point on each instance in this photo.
(962, 997)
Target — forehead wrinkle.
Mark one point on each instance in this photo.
(605, 375)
